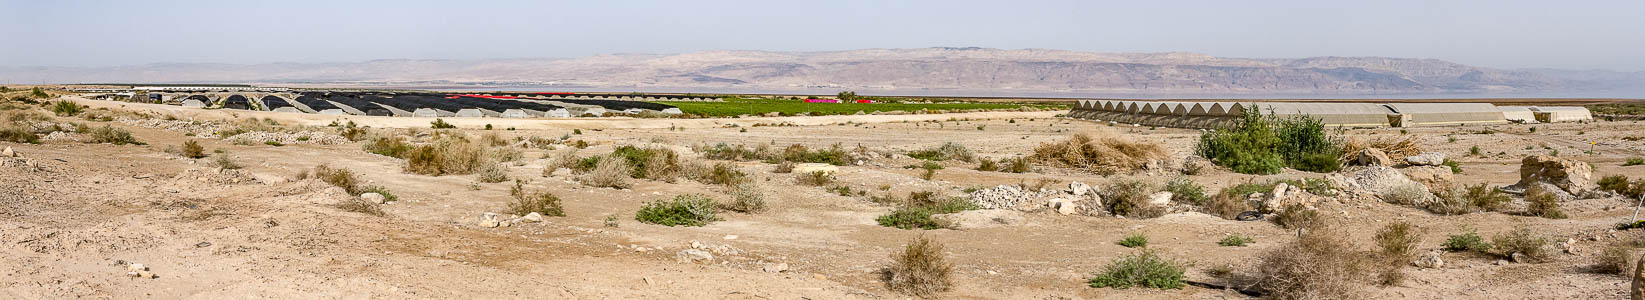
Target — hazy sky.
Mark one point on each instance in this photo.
(1504, 34)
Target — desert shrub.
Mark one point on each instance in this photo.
(687, 210)
(725, 174)
(651, 163)
(1235, 240)
(1451, 201)
(1613, 260)
(920, 270)
(1265, 144)
(608, 171)
(226, 162)
(834, 155)
(1227, 206)
(1455, 167)
(815, 178)
(1184, 190)
(1295, 216)
(1542, 203)
(1614, 183)
(1104, 153)
(783, 167)
(1018, 165)
(745, 198)
(1144, 268)
(357, 205)
(111, 135)
(441, 124)
(929, 169)
(1129, 198)
(1634, 161)
(192, 149)
(388, 146)
(527, 202)
(947, 151)
(917, 210)
(1521, 240)
(1486, 197)
(987, 165)
(1134, 240)
(339, 177)
(1467, 241)
(1408, 194)
(1397, 242)
(492, 173)
(66, 108)
(18, 134)
(1321, 264)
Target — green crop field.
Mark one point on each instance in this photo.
(743, 106)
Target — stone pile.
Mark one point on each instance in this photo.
(305, 137)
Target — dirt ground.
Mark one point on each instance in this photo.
(73, 215)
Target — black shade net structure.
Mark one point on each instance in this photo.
(236, 102)
(201, 98)
(314, 102)
(359, 102)
(275, 102)
(619, 104)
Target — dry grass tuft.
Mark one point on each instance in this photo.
(1129, 198)
(1319, 265)
(745, 198)
(540, 202)
(920, 270)
(1397, 242)
(1102, 152)
(1396, 147)
(361, 206)
(611, 171)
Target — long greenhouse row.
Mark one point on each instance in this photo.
(1219, 114)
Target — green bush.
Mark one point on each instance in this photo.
(540, 202)
(441, 124)
(1467, 241)
(1184, 190)
(1456, 168)
(1634, 161)
(111, 135)
(947, 151)
(1521, 240)
(1614, 183)
(1265, 144)
(1134, 240)
(916, 213)
(1235, 240)
(687, 210)
(66, 108)
(1143, 268)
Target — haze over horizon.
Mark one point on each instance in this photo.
(1603, 35)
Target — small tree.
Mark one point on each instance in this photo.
(848, 96)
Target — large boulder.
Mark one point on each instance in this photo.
(1284, 195)
(1379, 182)
(1426, 159)
(1433, 177)
(1573, 176)
(1370, 157)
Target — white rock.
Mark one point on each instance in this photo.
(1063, 206)
(775, 267)
(1429, 260)
(730, 236)
(1426, 159)
(693, 255)
(8, 152)
(1160, 198)
(374, 198)
(532, 217)
(490, 220)
(136, 267)
(1078, 188)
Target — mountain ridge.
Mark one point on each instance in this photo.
(893, 69)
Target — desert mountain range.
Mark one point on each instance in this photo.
(890, 70)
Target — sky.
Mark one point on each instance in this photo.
(1574, 34)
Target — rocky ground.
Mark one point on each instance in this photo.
(77, 219)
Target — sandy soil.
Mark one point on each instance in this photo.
(72, 214)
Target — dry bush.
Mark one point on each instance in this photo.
(1397, 147)
(1102, 152)
(223, 161)
(947, 151)
(815, 178)
(725, 174)
(493, 139)
(611, 171)
(783, 167)
(745, 198)
(1397, 242)
(1615, 259)
(361, 206)
(1542, 203)
(1522, 240)
(192, 149)
(1297, 216)
(492, 173)
(1322, 264)
(1129, 198)
(448, 155)
(1227, 205)
(1408, 194)
(541, 202)
(338, 177)
(920, 270)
